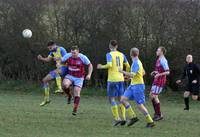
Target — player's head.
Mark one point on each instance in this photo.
(189, 58)
(161, 51)
(51, 45)
(134, 52)
(113, 45)
(75, 51)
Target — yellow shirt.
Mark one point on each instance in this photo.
(59, 53)
(138, 71)
(115, 61)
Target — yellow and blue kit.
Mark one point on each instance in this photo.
(115, 61)
(59, 52)
(136, 89)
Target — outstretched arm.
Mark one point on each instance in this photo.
(109, 62)
(128, 74)
(44, 59)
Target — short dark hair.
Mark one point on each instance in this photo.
(50, 43)
(74, 47)
(163, 49)
(114, 43)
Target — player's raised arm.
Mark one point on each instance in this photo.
(108, 64)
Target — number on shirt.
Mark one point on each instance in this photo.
(118, 61)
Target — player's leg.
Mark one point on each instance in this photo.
(78, 83)
(120, 105)
(114, 109)
(124, 100)
(139, 98)
(112, 94)
(155, 91)
(158, 115)
(153, 88)
(186, 95)
(186, 100)
(68, 95)
(145, 112)
(45, 86)
(77, 91)
(57, 75)
(67, 82)
(194, 97)
(195, 92)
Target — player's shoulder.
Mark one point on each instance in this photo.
(68, 55)
(163, 60)
(116, 53)
(82, 56)
(62, 48)
(108, 53)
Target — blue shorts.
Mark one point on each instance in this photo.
(115, 89)
(136, 93)
(63, 71)
(75, 81)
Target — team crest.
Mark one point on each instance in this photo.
(78, 63)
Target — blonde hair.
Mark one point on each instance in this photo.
(134, 52)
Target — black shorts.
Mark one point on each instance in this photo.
(193, 88)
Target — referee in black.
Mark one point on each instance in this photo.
(192, 71)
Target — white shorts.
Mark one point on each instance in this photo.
(156, 90)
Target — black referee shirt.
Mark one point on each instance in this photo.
(192, 71)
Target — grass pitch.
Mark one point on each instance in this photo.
(21, 116)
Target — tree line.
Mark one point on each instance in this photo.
(91, 24)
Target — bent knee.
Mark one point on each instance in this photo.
(186, 94)
(194, 97)
(65, 85)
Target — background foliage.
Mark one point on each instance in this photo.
(90, 24)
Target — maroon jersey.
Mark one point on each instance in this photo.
(161, 66)
(76, 65)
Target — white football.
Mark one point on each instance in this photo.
(27, 33)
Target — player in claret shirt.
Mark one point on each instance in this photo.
(192, 71)
(160, 73)
(76, 73)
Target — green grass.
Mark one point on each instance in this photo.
(21, 116)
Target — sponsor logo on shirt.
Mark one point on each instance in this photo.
(73, 69)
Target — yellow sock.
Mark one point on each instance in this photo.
(58, 82)
(149, 119)
(130, 112)
(123, 111)
(115, 112)
(46, 94)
